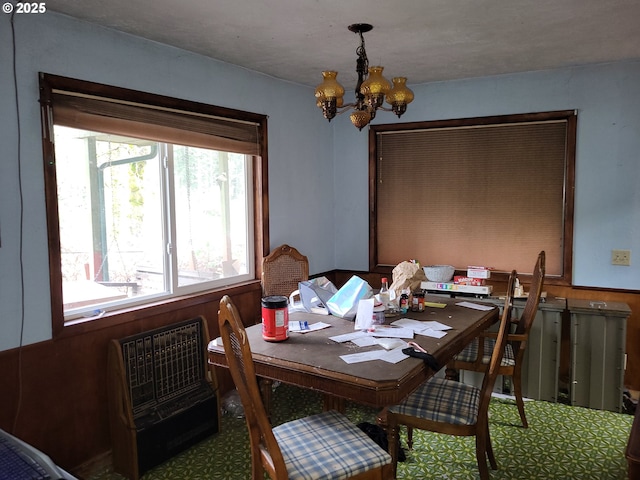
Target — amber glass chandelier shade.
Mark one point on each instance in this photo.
(399, 96)
(330, 88)
(360, 118)
(400, 93)
(375, 87)
(375, 84)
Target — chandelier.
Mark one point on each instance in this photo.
(371, 90)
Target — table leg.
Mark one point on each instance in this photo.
(393, 437)
(266, 385)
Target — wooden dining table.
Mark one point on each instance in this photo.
(312, 360)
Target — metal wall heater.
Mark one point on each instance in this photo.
(163, 395)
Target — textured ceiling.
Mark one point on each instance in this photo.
(424, 40)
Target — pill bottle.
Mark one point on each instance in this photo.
(417, 301)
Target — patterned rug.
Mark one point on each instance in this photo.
(562, 442)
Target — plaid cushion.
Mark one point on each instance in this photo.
(470, 353)
(442, 400)
(327, 446)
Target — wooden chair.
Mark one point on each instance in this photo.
(475, 357)
(282, 269)
(453, 408)
(322, 446)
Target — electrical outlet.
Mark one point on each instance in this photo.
(621, 257)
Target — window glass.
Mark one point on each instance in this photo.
(140, 219)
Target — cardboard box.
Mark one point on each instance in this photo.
(478, 272)
(462, 280)
(449, 287)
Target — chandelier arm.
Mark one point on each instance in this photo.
(345, 107)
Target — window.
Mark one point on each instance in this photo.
(491, 191)
(148, 198)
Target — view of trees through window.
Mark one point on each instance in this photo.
(140, 218)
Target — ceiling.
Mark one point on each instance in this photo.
(424, 40)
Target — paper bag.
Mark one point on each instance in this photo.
(344, 303)
(407, 275)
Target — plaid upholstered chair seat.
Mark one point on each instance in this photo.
(453, 408)
(324, 446)
(327, 446)
(470, 353)
(442, 400)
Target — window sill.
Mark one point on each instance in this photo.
(109, 319)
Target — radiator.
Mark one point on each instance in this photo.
(542, 354)
(597, 353)
(598, 347)
(541, 362)
(163, 395)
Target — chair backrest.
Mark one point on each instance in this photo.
(498, 351)
(531, 306)
(264, 447)
(282, 269)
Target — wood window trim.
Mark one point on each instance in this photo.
(571, 118)
(49, 83)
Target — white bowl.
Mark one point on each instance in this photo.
(439, 273)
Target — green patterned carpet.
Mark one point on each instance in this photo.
(562, 442)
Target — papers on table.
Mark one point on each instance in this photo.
(391, 331)
(386, 331)
(304, 327)
(475, 306)
(390, 338)
(390, 343)
(391, 356)
(386, 343)
(429, 329)
(346, 337)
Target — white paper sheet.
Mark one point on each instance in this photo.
(392, 331)
(390, 343)
(394, 356)
(429, 332)
(299, 327)
(433, 325)
(475, 306)
(364, 315)
(364, 356)
(408, 323)
(346, 337)
(364, 341)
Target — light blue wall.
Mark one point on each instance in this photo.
(607, 195)
(300, 155)
(318, 172)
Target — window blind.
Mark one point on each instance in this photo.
(491, 195)
(154, 123)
